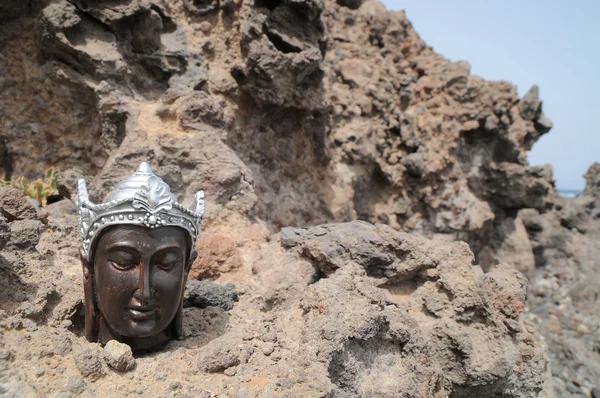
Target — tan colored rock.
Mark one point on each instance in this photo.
(356, 72)
(217, 254)
(118, 356)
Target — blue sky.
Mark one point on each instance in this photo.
(554, 44)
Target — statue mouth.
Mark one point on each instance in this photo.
(142, 313)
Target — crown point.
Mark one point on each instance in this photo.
(144, 167)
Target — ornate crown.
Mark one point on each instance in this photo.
(142, 199)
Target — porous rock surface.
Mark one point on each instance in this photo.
(296, 112)
(338, 310)
(565, 284)
(293, 113)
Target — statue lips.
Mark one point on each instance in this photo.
(142, 313)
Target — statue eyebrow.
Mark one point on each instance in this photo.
(122, 246)
(168, 247)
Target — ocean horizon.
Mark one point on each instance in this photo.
(569, 193)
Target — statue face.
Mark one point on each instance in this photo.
(139, 277)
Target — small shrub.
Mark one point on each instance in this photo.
(38, 189)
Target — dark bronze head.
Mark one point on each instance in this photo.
(136, 259)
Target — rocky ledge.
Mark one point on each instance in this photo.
(338, 310)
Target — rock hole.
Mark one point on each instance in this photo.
(316, 276)
(269, 4)
(78, 319)
(279, 43)
(238, 75)
(351, 4)
(54, 198)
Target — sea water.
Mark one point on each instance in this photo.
(569, 193)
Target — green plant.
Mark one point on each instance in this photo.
(38, 189)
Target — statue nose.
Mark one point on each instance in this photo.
(144, 292)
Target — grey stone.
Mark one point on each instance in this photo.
(205, 293)
(62, 343)
(25, 234)
(87, 360)
(75, 384)
(15, 206)
(218, 356)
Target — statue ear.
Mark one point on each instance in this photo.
(177, 324)
(193, 257)
(91, 327)
(85, 264)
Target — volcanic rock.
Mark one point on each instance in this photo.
(204, 294)
(14, 205)
(87, 359)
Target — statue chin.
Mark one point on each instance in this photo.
(139, 343)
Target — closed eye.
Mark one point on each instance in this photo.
(123, 259)
(122, 266)
(167, 260)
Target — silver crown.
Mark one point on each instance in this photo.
(142, 199)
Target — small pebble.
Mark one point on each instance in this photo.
(268, 348)
(205, 27)
(75, 384)
(176, 385)
(230, 371)
(583, 329)
(118, 356)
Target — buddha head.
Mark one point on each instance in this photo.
(137, 250)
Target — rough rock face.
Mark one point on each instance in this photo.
(297, 112)
(339, 310)
(390, 303)
(565, 285)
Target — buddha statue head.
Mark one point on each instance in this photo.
(137, 250)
